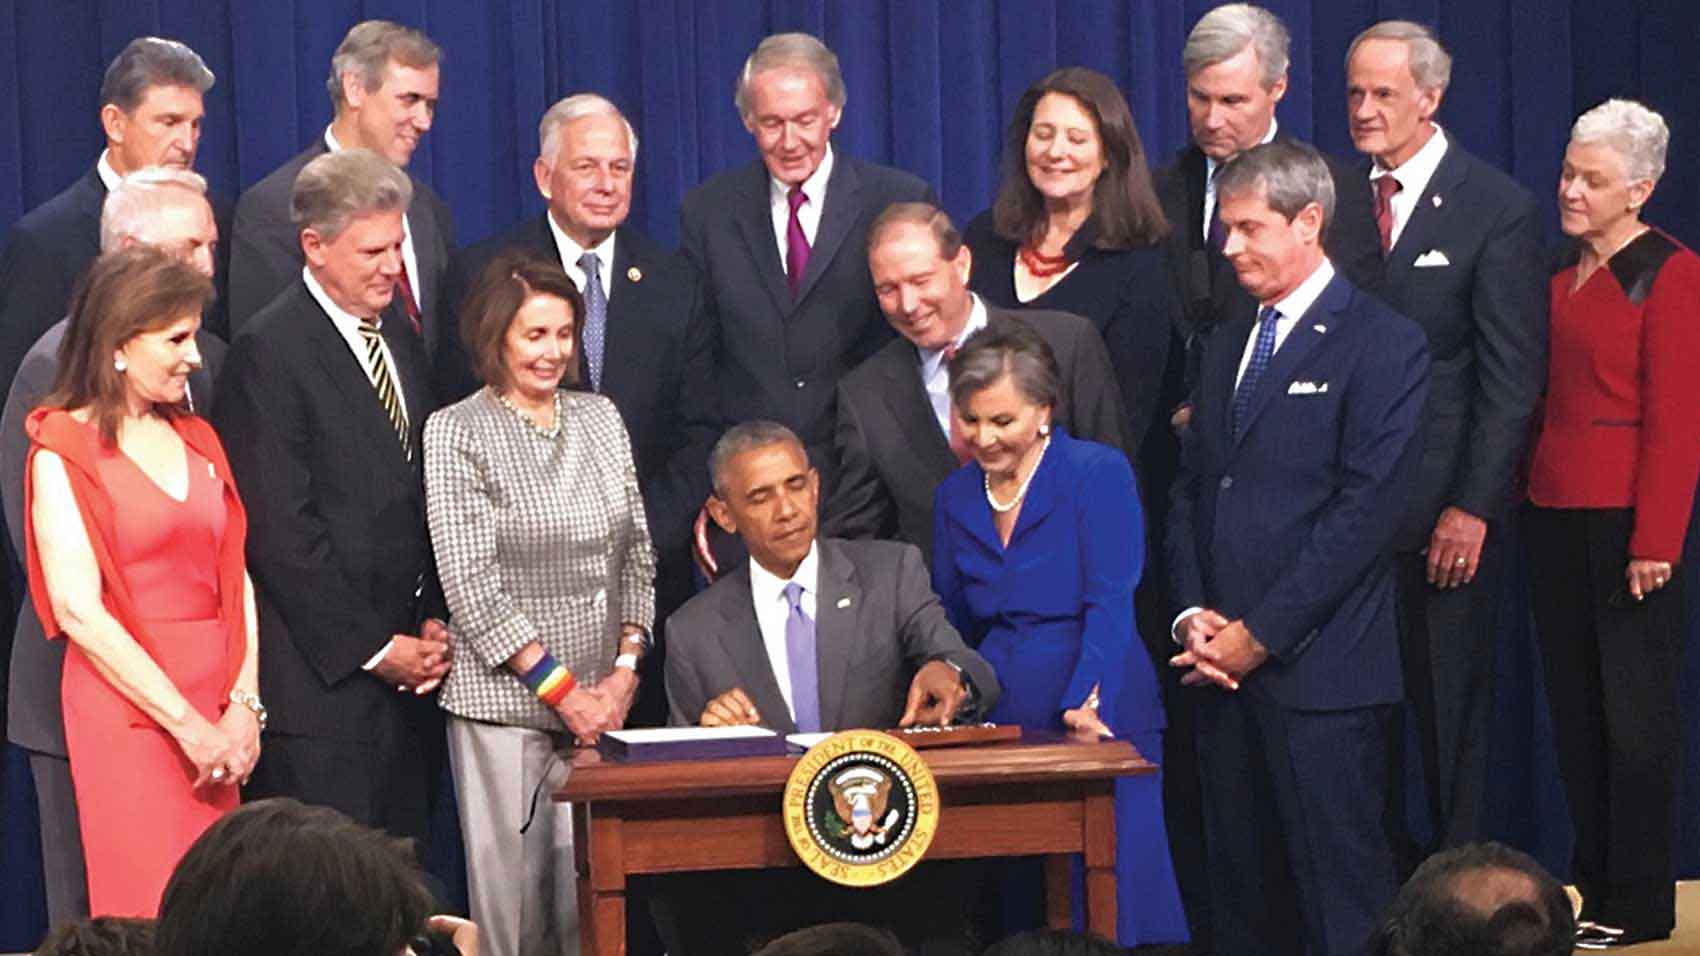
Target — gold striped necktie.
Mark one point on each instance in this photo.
(384, 383)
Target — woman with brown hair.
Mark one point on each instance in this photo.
(1076, 228)
(134, 541)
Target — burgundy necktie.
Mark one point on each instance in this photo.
(404, 288)
(1385, 187)
(796, 243)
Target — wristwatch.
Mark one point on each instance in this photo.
(628, 660)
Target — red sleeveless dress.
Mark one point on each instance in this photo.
(136, 805)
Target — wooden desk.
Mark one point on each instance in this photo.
(1046, 795)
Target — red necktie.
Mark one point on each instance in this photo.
(404, 288)
(1385, 187)
(796, 243)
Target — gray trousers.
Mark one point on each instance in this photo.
(61, 839)
(522, 886)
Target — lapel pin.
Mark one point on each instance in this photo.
(1437, 202)
(1320, 328)
(843, 602)
(635, 274)
(210, 472)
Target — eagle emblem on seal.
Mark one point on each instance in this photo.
(859, 797)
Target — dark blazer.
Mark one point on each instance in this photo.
(890, 450)
(337, 540)
(265, 246)
(876, 622)
(779, 359)
(34, 719)
(45, 252)
(1485, 313)
(1124, 293)
(1287, 527)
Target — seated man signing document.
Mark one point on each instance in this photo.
(811, 635)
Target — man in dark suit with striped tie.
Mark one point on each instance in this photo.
(321, 404)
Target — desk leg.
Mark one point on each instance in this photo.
(599, 848)
(1059, 877)
(1101, 860)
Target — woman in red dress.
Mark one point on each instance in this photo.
(1611, 487)
(134, 543)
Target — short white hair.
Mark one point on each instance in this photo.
(1431, 65)
(139, 195)
(790, 50)
(1223, 32)
(1637, 133)
(574, 107)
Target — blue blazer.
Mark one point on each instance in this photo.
(1288, 527)
(1054, 610)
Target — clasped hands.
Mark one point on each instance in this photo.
(223, 752)
(1218, 651)
(936, 693)
(590, 711)
(417, 664)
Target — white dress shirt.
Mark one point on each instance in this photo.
(108, 176)
(1210, 167)
(570, 252)
(407, 255)
(772, 609)
(935, 377)
(808, 215)
(1413, 178)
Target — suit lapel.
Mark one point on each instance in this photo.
(839, 215)
(624, 340)
(838, 604)
(912, 409)
(359, 399)
(755, 224)
(740, 638)
(1430, 212)
(1304, 337)
(422, 224)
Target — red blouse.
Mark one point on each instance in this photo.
(1621, 424)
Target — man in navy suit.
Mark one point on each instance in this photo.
(782, 244)
(1462, 259)
(648, 344)
(1302, 449)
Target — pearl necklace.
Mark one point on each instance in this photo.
(1021, 492)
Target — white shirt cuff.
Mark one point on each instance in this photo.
(384, 651)
(1175, 628)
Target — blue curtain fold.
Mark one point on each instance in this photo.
(931, 86)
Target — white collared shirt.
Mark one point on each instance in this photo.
(570, 252)
(108, 176)
(808, 214)
(348, 326)
(767, 590)
(1413, 177)
(407, 255)
(935, 377)
(1211, 165)
(1292, 308)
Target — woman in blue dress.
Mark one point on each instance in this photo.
(1038, 547)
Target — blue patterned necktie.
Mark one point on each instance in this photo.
(1261, 353)
(800, 655)
(595, 318)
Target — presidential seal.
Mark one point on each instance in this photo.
(861, 808)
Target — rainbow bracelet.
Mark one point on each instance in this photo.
(550, 680)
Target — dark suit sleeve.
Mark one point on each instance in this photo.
(675, 493)
(265, 255)
(1509, 302)
(858, 505)
(1138, 336)
(33, 381)
(452, 366)
(1099, 413)
(262, 419)
(1111, 532)
(1380, 446)
(1180, 544)
(685, 697)
(34, 294)
(926, 632)
(947, 578)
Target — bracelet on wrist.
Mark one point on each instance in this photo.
(242, 698)
(549, 679)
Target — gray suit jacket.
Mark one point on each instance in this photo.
(877, 621)
(34, 720)
(265, 247)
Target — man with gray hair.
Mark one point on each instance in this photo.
(383, 88)
(157, 206)
(1302, 449)
(321, 405)
(782, 243)
(1461, 257)
(647, 341)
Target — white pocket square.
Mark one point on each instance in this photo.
(1308, 388)
(1432, 259)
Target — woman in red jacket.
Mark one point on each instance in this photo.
(1610, 487)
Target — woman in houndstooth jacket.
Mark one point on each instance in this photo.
(546, 563)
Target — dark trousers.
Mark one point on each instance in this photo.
(63, 868)
(1446, 646)
(1612, 667)
(1295, 813)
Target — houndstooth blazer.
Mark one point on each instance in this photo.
(540, 536)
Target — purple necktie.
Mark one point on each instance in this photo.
(800, 654)
(796, 243)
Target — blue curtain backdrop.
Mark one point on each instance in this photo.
(931, 84)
